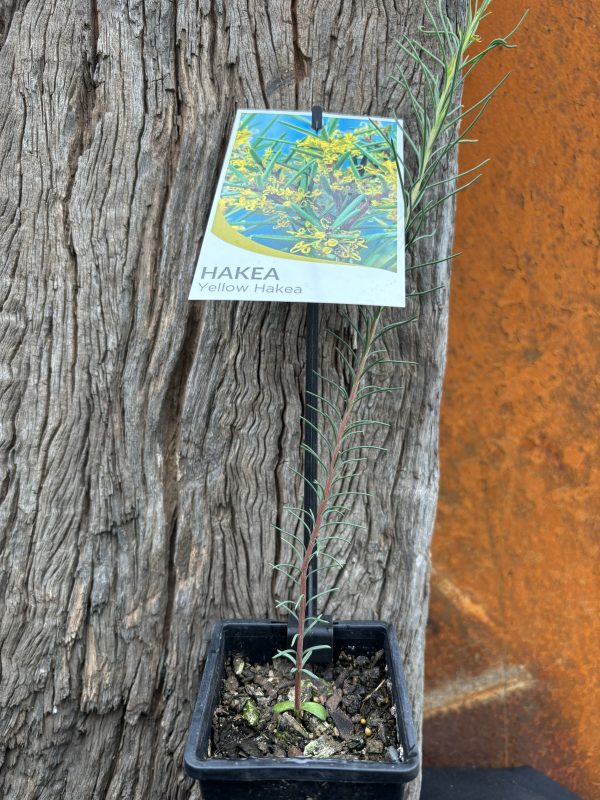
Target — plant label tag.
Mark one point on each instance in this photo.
(304, 215)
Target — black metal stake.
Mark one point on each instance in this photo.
(311, 423)
(311, 383)
(322, 633)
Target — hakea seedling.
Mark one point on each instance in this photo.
(443, 57)
(341, 439)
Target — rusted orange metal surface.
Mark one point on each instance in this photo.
(513, 658)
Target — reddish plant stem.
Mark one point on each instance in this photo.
(322, 507)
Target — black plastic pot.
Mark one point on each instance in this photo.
(297, 778)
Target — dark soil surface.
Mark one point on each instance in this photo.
(361, 721)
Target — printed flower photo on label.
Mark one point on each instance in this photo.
(327, 196)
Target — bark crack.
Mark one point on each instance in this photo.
(7, 11)
(300, 62)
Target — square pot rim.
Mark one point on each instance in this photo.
(206, 768)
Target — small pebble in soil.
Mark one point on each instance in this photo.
(341, 677)
(238, 665)
(250, 748)
(333, 702)
(375, 747)
(384, 735)
(393, 754)
(251, 713)
(289, 723)
(343, 723)
(314, 724)
(323, 747)
(350, 704)
(355, 744)
(370, 675)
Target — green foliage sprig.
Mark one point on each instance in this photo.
(441, 123)
(443, 57)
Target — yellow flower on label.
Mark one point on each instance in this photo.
(243, 136)
(301, 247)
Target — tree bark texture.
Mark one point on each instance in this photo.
(144, 438)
